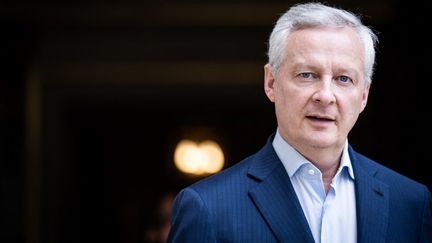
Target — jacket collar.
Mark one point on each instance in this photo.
(372, 200)
(274, 194)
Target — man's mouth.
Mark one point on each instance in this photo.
(321, 118)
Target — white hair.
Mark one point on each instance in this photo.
(319, 15)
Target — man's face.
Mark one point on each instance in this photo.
(319, 90)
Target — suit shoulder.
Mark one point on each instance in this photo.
(236, 174)
(390, 176)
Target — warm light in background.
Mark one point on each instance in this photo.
(198, 158)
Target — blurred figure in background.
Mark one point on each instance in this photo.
(159, 232)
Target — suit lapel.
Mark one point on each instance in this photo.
(372, 200)
(276, 200)
(274, 194)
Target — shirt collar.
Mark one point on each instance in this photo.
(293, 160)
(346, 161)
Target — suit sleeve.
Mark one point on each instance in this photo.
(426, 231)
(190, 220)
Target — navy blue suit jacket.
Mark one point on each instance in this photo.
(254, 201)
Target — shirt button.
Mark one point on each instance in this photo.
(311, 172)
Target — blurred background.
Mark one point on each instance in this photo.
(96, 95)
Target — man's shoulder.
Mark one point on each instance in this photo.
(241, 174)
(387, 175)
(233, 176)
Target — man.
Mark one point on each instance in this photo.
(307, 184)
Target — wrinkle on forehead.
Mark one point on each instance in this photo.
(337, 49)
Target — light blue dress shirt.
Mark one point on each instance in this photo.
(331, 216)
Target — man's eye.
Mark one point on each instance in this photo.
(306, 75)
(344, 79)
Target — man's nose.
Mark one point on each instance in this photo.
(324, 92)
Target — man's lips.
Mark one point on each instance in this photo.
(323, 118)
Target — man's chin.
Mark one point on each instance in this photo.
(321, 142)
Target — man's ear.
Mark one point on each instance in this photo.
(365, 97)
(269, 82)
